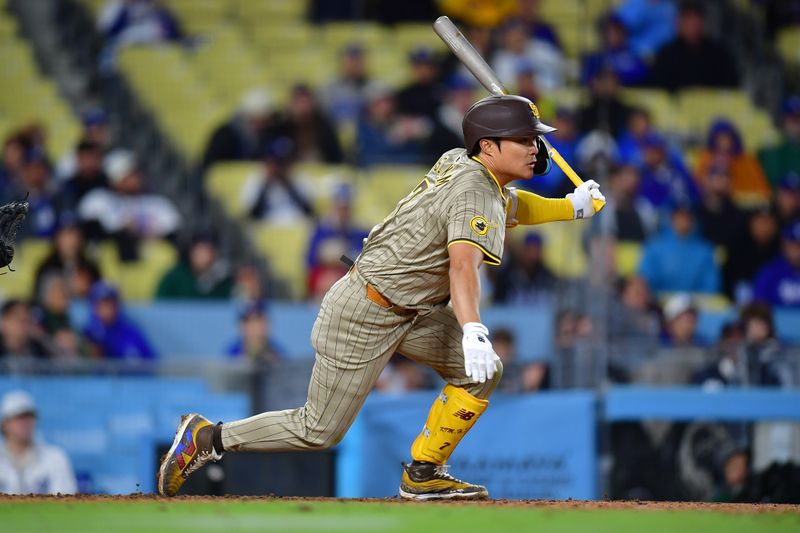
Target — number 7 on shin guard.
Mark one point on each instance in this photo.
(453, 414)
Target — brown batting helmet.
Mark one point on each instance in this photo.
(501, 116)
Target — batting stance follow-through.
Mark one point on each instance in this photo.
(414, 290)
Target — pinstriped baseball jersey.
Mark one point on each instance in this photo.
(405, 256)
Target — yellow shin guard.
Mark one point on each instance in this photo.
(453, 414)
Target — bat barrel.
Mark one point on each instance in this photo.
(466, 53)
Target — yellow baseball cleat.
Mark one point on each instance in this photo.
(428, 481)
(191, 449)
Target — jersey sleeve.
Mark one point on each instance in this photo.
(478, 218)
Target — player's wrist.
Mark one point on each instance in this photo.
(581, 204)
(475, 327)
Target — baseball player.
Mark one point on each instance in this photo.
(414, 289)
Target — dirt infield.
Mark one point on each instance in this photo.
(748, 508)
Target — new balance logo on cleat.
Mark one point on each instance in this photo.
(463, 414)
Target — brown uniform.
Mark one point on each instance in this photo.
(394, 300)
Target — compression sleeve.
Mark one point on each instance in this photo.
(529, 208)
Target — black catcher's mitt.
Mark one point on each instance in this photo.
(11, 216)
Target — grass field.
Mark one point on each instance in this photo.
(228, 515)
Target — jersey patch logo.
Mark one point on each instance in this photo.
(479, 225)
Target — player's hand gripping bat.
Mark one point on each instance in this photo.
(470, 57)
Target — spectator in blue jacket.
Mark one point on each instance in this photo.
(665, 178)
(778, 283)
(338, 225)
(616, 54)
(678, 259)
(631, 140)
(650, 23)
(111, 335)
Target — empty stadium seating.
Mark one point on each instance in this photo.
(285, 246)
(137, 280)
(27, 97)
(186, 108)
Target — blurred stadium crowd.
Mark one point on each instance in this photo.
(234, 151)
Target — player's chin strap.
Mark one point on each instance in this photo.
(452, 415)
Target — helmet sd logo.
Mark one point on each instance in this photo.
(479, 225)
(535, 111)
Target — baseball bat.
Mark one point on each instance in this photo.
(471, 59)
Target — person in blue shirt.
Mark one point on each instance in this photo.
(650, 23)
(36, 184)
(255, 342)
(615, 54)
(334, 236)
(111, 335)
(678, 259)
(339, 225)
(665, 178)
(631, 140)
(778, 282)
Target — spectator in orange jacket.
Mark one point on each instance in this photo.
(724, 150)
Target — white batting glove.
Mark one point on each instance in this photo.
(480, 361)
(582, 198)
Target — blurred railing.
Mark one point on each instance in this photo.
(583, 365)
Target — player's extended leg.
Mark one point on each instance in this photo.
(435, 340)
(354, 339)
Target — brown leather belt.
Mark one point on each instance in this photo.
(378, 298)
(375, 296)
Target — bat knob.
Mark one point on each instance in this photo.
(598, 205)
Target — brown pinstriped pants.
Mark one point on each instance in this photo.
(354, 339)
